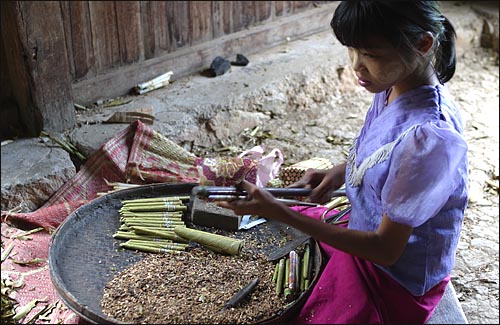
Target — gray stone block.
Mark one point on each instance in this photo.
(32, 171)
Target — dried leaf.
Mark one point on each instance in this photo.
(492, 184)
(14, 284)
(24, 310)
(43, 312)
(7, 251)
(30, 262)
(116, 102)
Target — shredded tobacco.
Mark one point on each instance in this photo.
(192, 288)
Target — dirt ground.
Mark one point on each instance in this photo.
(321, 130)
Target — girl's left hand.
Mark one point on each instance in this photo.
(258, 202)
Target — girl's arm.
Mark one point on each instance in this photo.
(383, 246)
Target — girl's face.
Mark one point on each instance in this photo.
(380, 68)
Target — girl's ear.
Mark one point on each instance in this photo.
(425, 43)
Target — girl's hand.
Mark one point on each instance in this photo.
(258, 202)
(311, 179)
(323, 182)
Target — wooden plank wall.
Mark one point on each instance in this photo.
(106, 35)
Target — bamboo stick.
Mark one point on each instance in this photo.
(297, 272)
(291, 272)
(275, 274)
(155, 207)
(287, 272)
(280, 278)
(131, 235)
(139, 240)
(175, 218)
(157, 199)
(160, 234)
(169, 246)
(158, 223)
(305, 265)
(301, 276)
(148, 249)
(158, 228)
(166, 214)
(126, 228)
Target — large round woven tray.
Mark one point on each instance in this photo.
(84, 256)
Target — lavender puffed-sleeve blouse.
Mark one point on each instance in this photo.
(409, 161)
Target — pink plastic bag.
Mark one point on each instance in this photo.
(268, 166)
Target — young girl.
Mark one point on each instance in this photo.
(405, 177)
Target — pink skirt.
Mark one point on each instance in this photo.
(351, 290)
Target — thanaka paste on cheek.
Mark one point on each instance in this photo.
(390, 73)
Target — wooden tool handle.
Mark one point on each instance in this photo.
(242, 294)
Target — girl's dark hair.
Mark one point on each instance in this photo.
(401, 23)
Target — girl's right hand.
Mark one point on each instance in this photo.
(323, 182)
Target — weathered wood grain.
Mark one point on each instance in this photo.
(200, 21)
(263, 11)
(178, 24)
(45, 65)
(19, 115)
(128, 19)
(104, 35)
(80, 47)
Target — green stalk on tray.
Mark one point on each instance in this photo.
(280, 277)
(159, 242)
(287, 272)
(155, 227)
(152, 201)
(149, 249)
(155, 207)
(169, 246)
(306, 270)
(131, 235)
(151, 214)
(153, 220)
(157, 199)
(275, 274)
(159, 233)
(175, 218)
(159, 223)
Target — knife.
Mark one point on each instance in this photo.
(301, 238)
